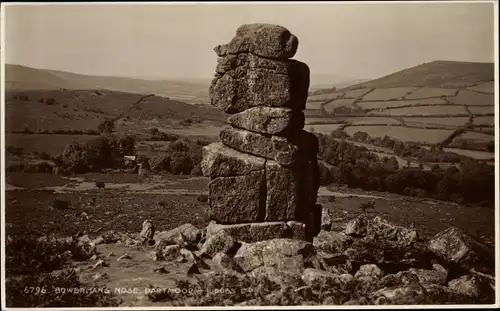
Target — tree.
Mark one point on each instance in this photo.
(106, 126)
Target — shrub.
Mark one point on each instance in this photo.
(50, 101)
(15, 150)
(41, 167)
(203, 198)
(44, 156)
(154, 131)
(60, 204)
(29, 254)
(106, 126)
(96, 154)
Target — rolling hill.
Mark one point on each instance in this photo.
(189, 90)
(26, 78)
(445, 74)
(439, 103)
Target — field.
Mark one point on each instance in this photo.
(322, 97)
(84, 109)
(444, 110)
(488, 87)
(360, 93)
(423, 136)
(388, 93)
(480, 155)
(314, 105)
(452, 121)
(398, 103)
(474, 136)
(490, 121)
(426, 92)
(482, 110)
(329, 107)
(322, 128)
(471, 98)
(371, 120)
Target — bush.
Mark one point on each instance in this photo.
(51, 101)
(41, 167)
(96, 154)
(15, 150)
(107, 126)
(203, 198)
(60, 204)
(30, 254)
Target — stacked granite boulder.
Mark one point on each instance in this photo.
(263, 173)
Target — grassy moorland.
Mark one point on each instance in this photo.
(419, 147)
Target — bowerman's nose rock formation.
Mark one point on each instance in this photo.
(263, 173)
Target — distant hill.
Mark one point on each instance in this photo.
(50, 110)
(445, 74)
(19, 77)
(328, 81)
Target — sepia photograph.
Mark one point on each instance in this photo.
(243, 155)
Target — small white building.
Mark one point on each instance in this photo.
(129, 160)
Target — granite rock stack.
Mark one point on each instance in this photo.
(263, 171)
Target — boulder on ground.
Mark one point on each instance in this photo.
(260, 231)
(220, 242)
(281, 254)
(332, 242)
(190, 233)
(381, 229)
(455, 246)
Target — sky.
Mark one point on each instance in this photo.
(352, 40)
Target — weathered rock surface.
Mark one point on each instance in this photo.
(281, 277)
(281, 254)
(250, 61)
(453, 245)
(368, 273)
(426, 276)
(275, 148)
(470, 285)
(332, 242)
(188, 232)
(242, 88)
(221, 161)
(282, 184)
(148, 231)
(222, 260)
(266, 40)
(260, 231)
(326, 219)
(238, 199)
(267, 120)
(381, 229)
(314, 277)
(220, 242)
(167, 252)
